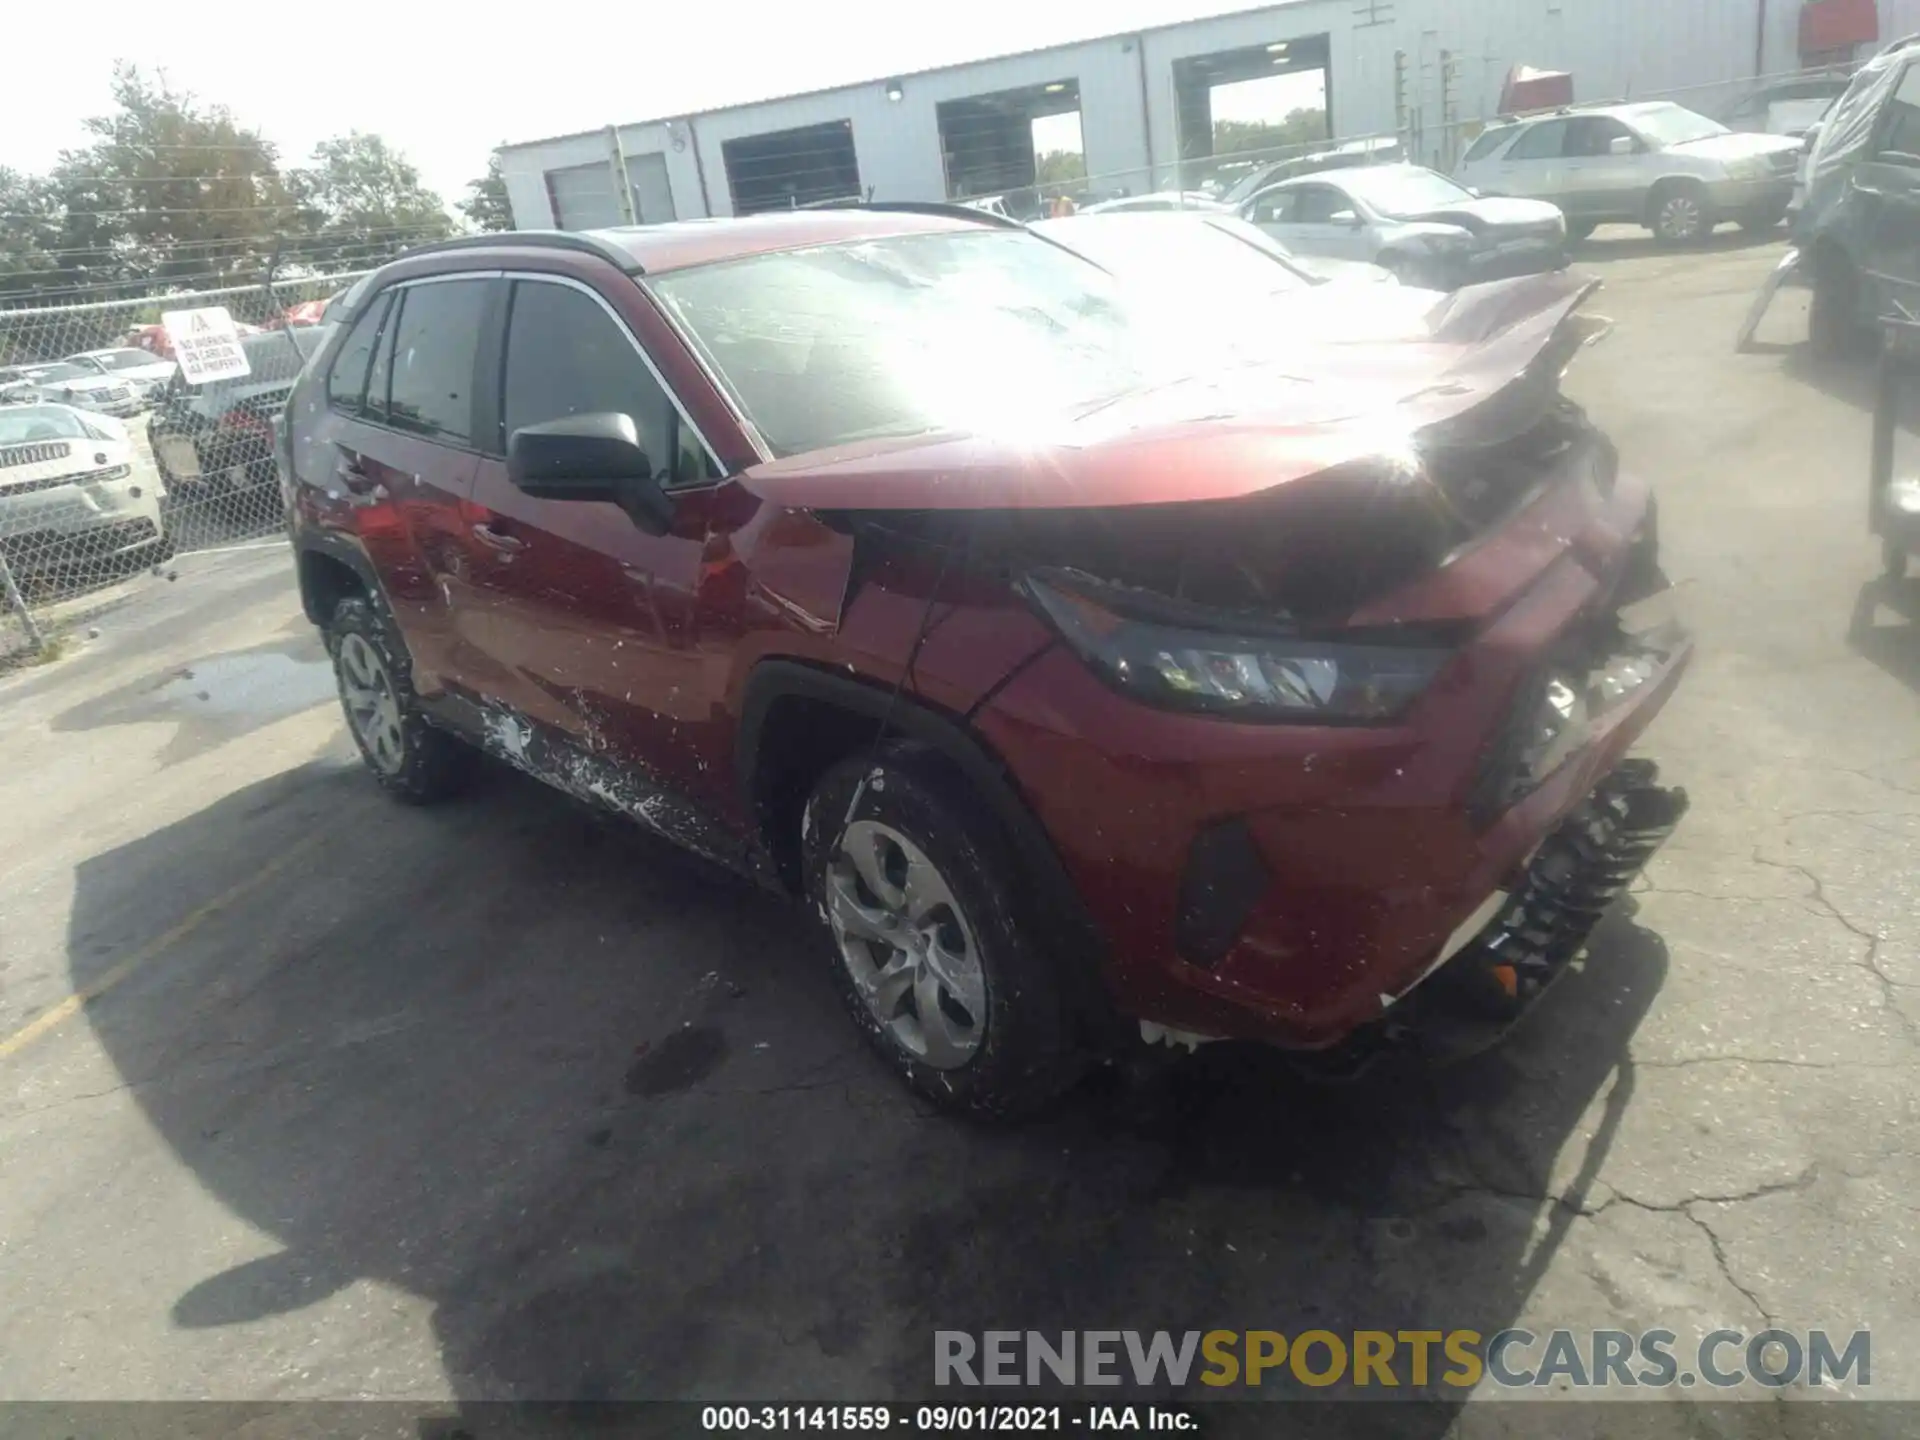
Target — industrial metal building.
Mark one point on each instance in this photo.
(1423, 69)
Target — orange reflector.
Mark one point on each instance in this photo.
(1509, 981)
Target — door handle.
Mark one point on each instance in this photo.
(496, 540)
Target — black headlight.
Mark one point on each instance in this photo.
(1248, 676)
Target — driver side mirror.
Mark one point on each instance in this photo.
(590, 457)
(1620, 145)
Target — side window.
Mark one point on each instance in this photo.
(1318, 204)
(435, 348)
(347, 380)
(1900, 125)
(1489, 142)
(567, 356)
(380, 377)
(1541, 142)
(1593, 135)
(1275, 207)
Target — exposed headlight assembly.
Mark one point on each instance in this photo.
(1248, 676)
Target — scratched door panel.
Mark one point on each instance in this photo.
(571, 616)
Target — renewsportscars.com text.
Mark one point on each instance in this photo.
(1380, 1360)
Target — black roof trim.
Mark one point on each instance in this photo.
(534, 240)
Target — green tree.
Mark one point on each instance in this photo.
(29, 233)
(168, 191)
(361, 202)
(486, 206)
(1238, 137)
(1059, 168)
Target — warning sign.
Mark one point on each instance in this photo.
(206, 344)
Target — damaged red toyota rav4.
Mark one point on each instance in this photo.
(1088, 685)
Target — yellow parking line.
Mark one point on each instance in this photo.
(74, 1003)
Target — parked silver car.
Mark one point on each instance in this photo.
(58, 383)
(1655, 164)
(1414, 221)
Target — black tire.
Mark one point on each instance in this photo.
(1834, 330)
(1764, 223)
(1579, 230)
(1026, 1053)
(1680, 212)
(430, 764)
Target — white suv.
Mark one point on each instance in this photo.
(1655, 164)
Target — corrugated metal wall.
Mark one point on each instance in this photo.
(1453, 57)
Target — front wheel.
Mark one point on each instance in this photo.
(933, 950)
(1579, 230)
(408, 756)
(1681, 215)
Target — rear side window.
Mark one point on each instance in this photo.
(1540, 142)
(347, 380)
(567, 356)
(435, 351)
(1487, 144)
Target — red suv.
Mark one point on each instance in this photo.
(1090, 683)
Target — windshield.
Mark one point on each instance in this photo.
(1675, 125)
(62, 371)
(1400, 191)
(24, 424)
(1190, 257)
(993, 332)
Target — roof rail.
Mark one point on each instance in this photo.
(951, 209)
(1901, 44)
(581, 242)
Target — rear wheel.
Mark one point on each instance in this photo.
(1680, 213)
(1762, 223)
(409, 756)
(933, 953)
(1578, 230)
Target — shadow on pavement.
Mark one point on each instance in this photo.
(597, 1102)
(1894, 647)
(1627, 242)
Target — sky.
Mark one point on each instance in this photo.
(446, 85)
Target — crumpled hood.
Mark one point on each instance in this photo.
(1354, 375)
(1497, 212)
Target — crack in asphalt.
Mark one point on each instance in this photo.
(1889, 987)
(1687, 1060)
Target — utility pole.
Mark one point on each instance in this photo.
(1402, 122)
(622, 183)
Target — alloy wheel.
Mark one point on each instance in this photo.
(907, 945)
(372, 707)
(1680, 217)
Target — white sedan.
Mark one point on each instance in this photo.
(148, 373)
(73, 487)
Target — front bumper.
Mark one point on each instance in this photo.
(44, 529)
(1334, 865)
(1768, 195)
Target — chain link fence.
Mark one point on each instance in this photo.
(112, 462)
